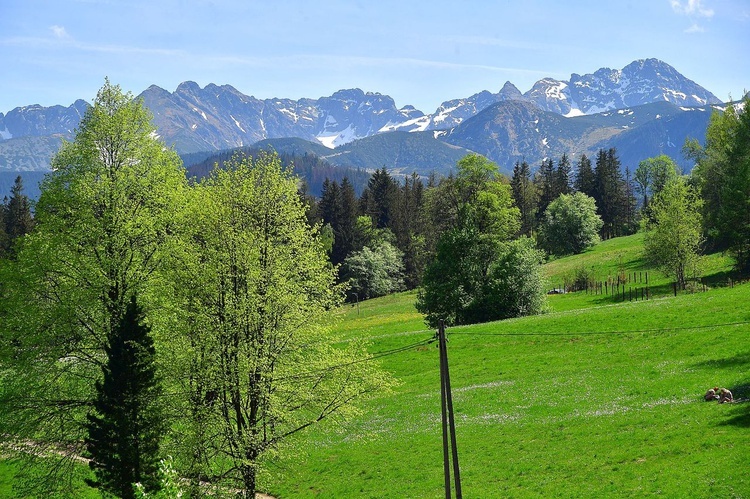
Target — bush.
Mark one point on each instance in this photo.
(374, 272)
(570, 225)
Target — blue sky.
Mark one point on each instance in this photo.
(418, 52)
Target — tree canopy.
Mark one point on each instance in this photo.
(570, 225)
(473, 277)
(102, 222)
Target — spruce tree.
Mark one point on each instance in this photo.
(562, 176)
(584, 181)
(125, 430)
(524, 196)
(545, 181)
(17, 214)
(4, 242)
(383, 192)
(609, 193)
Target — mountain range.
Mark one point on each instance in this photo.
(644, 109)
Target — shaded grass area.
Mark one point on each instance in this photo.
(601, 402)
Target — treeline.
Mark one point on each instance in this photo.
(406, 216)
(312, 170)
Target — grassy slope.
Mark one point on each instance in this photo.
(544, 407)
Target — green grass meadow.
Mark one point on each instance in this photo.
(598, 398)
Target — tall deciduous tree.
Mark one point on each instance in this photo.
(652, 175)
(254, 287)
(472, 277)
(127, 425)
(103, 218)
(673, 235)
(723, 175)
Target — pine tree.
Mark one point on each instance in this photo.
(609, 193)
(584, 181)
(126, 428)
(524, 196)
(4, 243)
(18, 219)
(381, 205)
(562, 176)
(545, 182)
(408, 229)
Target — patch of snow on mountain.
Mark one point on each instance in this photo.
(327, 140)
(289, 113)
(343, 137)
(237, 123)
(193, 126)
(445, 113)
(674, 94)
(556, 91)
(439, 133)
(658, 116)
(5, 134)
(413, 125)
(574, 111)
(201, 113)
(544, 142)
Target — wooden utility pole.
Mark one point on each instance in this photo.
(448, 420)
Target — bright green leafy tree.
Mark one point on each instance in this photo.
(372, 272)
(103, 220)
(570, 225)
(723, 176)
(673, 238)
(652, 175)
(254, 355)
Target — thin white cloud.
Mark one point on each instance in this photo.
(691, 8)
(695, 29)
(59, 32)
(343, 62)
(64, 40)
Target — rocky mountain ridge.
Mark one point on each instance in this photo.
(194, 119)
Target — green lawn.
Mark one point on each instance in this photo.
(595, 399)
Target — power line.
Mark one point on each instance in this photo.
(374, 356)
(587, 333)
